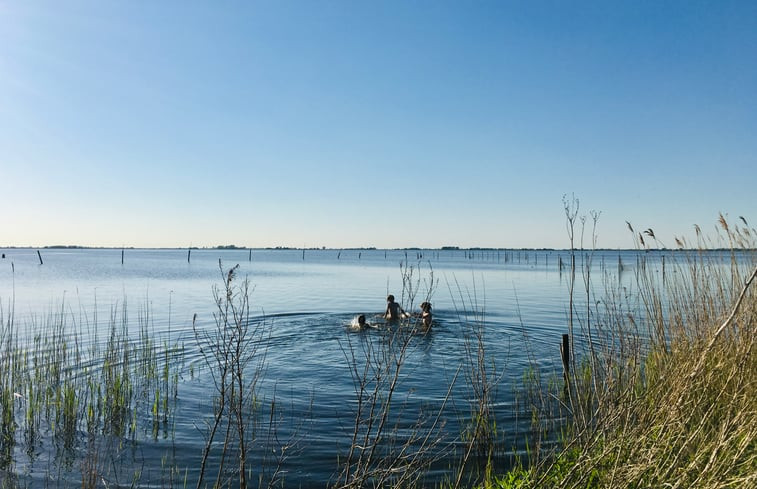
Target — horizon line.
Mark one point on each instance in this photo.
(353, 248)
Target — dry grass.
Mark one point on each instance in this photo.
(670, 400)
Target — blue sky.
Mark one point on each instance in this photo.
(387, 124)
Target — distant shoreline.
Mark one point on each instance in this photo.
(370, 248)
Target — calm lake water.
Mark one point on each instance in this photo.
(307, 300)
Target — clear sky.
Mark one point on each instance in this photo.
(372, 123)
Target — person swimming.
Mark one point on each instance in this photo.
(394, 311)
(359, 323)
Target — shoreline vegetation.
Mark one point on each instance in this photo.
(664, 394)
(658, 389)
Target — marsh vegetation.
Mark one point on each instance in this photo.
(663, 389)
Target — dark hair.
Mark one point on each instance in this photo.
(361, 318)
(390, 298)
(426, 306)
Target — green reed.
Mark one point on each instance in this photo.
(58, 381)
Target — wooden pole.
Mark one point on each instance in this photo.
(40, 257)
(565, 353)
(189, 254)
(663, 268)
(122, 256)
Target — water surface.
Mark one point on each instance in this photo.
(306, 301)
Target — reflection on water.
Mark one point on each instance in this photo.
(308, 395)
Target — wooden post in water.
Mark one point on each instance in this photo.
(189, 254)
(250, 258)
(565, 353)
(122, 256)
(40, 257)
(663, 268)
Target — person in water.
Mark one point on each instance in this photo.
(361, 322)
(393, 310)
(358, 323)
(426, 314)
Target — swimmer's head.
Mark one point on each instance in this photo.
(390, 298)
(361, 319)
(426, 306)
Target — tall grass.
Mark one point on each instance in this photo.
(67, 397)
(664, 390)
(480, 438)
